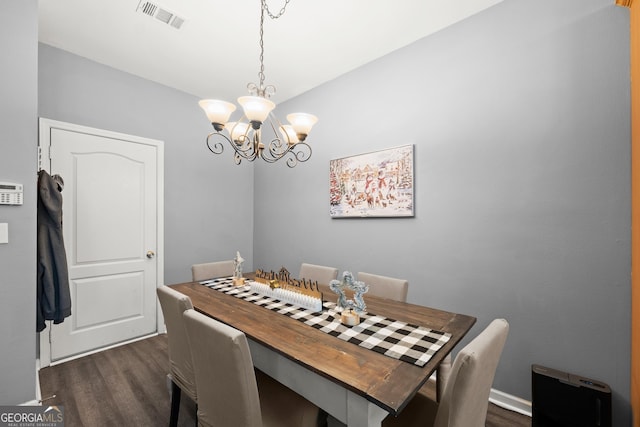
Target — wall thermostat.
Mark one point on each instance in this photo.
(10, 193)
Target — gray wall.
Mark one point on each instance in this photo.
(522, 180)
(18, 154)
(199, 187)
(520, 120)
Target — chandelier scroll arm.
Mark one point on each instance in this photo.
(243, 151)
(218, 147)
(302, 155)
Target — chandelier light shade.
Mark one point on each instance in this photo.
(237, 130)
(256, 108)
(244, 136)
(302, 124)
(218, 112)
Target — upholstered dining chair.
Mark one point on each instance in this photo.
(210, 270)
(385, 287)
(465, 399)
(319, 273)
(181, 373)
(396, 289)
(230, 391)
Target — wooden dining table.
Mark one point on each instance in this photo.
(356, 385)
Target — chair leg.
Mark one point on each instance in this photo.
(323, 418)
(196, 415)
(175, 404)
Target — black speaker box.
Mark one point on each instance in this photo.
(561, 399)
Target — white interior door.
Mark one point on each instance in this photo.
(110, 227)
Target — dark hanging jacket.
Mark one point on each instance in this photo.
(53, 297)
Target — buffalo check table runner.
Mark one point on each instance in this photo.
(399, 340)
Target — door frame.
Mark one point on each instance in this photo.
(44, 162)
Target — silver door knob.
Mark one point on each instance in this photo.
(150, 254)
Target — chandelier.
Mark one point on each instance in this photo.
(245, 135)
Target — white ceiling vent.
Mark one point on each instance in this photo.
(161, 14)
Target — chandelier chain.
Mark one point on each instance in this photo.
(271, 15)
(263, 9)
(261, 72)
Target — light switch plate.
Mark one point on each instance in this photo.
(4, 233)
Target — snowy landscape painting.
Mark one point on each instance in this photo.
(377, 184)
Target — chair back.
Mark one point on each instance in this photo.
(173, 304)
(466, 393)
(226, 382)
(385, 287)
(319, 273)
(211, 270)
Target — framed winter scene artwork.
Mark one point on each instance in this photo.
(377, 184)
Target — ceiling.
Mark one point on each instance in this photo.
(214, 54)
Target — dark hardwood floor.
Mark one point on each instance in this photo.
(123, 386)
(127, 386)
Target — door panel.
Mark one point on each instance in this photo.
(109, 225)
(112, 308)
(119, 230)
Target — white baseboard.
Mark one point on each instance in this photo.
(510, 402)
(505, 400)
(98, 350)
